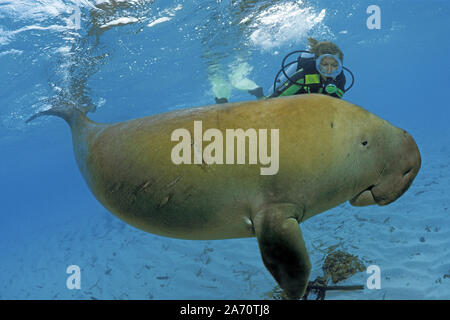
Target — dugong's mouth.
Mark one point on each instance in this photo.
(396, 176)
(364, 198)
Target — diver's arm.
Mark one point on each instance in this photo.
(341, 83)
(289, 88)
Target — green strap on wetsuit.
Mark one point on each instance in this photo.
(309, 79)
(301, 83)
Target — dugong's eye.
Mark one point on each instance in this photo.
(364, 143)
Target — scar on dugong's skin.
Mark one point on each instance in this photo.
(330, 151)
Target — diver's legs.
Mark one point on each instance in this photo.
(239, 78)
(220, 86)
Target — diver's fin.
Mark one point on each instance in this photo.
(282, 248)
(257, 92)
(221, 100)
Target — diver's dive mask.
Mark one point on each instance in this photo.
(329, 66)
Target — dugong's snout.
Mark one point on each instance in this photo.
(400, 171)
(402, 163)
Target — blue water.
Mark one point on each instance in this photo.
(163, 56)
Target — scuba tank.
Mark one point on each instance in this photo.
(283, 77)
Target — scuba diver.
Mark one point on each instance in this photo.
(319, 70)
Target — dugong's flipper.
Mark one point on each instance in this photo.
(282, 248)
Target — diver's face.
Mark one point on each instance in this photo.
(328, 65)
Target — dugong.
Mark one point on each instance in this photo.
(330, 152)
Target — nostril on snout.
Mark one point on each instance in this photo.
(407, 171)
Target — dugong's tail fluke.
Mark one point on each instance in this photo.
(67, 112)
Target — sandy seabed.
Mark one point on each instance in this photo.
(409, 240)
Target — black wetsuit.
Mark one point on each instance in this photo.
(308, 80)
